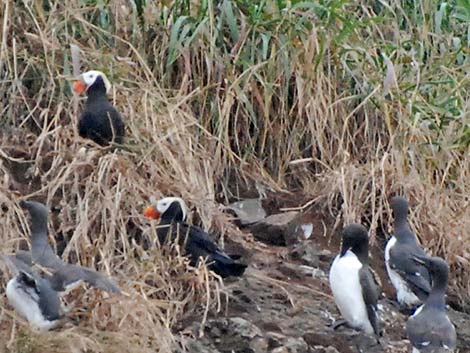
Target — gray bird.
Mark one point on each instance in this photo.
(352, 282)
(429, 328)
(64, 275)
(32, 296)
(410, 279)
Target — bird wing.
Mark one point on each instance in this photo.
(370, 294)
(101, 124)
(438, 332)
(17, 265)
(199, 243)
(69, 274)
(20, 265)
(416, 275)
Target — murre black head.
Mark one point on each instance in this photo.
(35, 209)
(437, 267)
(356, 239)
(400, 207)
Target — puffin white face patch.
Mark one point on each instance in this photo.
(163, 204)
(90, 77)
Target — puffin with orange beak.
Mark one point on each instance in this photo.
(171, 213)
(100, 121)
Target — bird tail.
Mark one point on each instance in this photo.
(225, 266)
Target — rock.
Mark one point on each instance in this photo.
(277, 229)
(248, 211)
(196, 346)
(331, 350)
(243, 327)
(292, 270)
(292, 345)
(327, 339)
(235, 334)
(309, 253)
(461, 320)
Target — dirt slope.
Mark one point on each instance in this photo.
(284, 304)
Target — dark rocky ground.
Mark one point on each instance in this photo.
(283, 304)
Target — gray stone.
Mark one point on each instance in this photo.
(243, 327)
(292, 345)
(309, 253)
(248, 211)
(277, 229)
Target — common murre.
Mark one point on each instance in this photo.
(64, 275)
(410, 279)
(351, 280)
(429, 328)
(31, 295)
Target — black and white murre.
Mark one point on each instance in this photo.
(64, 275)
(429, 328)
(352, 283)
(100, 121)
(31, 295)
(171, 211)
(410, 279)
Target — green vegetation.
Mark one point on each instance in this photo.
(347, 101)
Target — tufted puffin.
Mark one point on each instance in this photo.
(171, 211)
(100, 121)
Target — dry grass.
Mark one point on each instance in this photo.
(219, 102)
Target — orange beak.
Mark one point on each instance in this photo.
(151, 212)
(79, 87)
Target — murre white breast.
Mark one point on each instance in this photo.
(410, 279)
(351, 281)
(404, 294)
(347, 291)
(24, 294)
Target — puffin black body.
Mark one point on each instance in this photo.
(429, 329)
(197, 243)
(410, 279)
(100, 121)
(64, 275)
(351, 280)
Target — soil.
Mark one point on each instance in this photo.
(283, 303)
